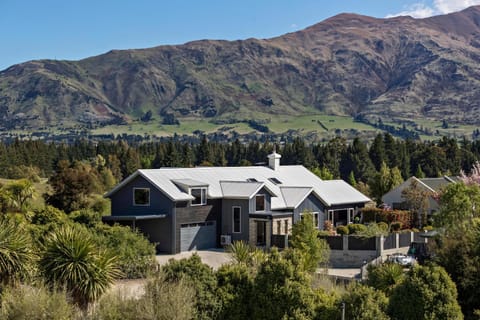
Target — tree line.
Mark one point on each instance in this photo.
(359, 159)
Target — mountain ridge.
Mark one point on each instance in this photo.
(349, 64)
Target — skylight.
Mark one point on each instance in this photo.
(275, 180)
(252, 180)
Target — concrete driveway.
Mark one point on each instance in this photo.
(211, 257)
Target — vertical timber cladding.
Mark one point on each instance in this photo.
(204, 219)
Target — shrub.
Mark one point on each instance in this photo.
(387, 216)
(201, 278)
(177, 302)
(365, 303)
(48, 214)
(343, 230)
(85, 216)
(428, 228)
(383, 226)
(396, 226)
(135, 254)
(71, 259)
(354, 228)
(16, 254)
(34, 303)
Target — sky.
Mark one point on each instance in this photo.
(76, 29)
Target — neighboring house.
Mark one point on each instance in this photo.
(433, 186)
(182, 209)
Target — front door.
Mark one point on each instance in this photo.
(261, 233)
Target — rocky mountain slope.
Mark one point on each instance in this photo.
(399, 68)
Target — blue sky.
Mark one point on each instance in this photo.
(76, 29)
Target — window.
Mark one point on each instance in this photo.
(236, 219)
(315, 219)
(252, 180)
(279, 226)
(260, 202)
(286, 226)
(141, 196)
(200, 195)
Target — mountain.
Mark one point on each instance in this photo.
(398, 68)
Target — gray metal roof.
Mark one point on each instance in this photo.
(436, 184)
(188, 183)
(293, 196)
(330, 192)
(240, 189)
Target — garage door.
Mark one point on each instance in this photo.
(202, 235)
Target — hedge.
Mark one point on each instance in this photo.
(387, 216)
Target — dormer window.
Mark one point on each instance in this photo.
(200, 195)
(260, 202)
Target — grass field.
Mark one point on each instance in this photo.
(276, 124)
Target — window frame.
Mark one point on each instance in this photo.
(264, 202)
(134, 199)
(239, 219)
(203, 196)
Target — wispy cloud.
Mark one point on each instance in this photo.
(422, 10)
(417, 10)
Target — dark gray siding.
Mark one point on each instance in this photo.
(184, 213)
(157, 231)
(227, 223)
(311, 203)
(122, 200)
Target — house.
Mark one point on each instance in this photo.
(181, 209)
(432, 186)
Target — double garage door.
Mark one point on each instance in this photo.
(197, 236)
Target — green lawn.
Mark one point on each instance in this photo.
(277, 124)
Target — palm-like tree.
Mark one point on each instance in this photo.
(16, 254)
(72, 260)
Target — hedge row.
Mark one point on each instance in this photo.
(387, 216)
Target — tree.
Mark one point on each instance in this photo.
(419, 172)
(235, 289)
(458, 251)
(385, 277)
(19, 193)
(365, 303)
(473, 177)
(72, 185)
(71, 259)
(323, 173)
(281, 290)
(426, 293)
(417, 199)
(381, 183)
(16, 254)
(459, 204)
(351, 179)
(201, 278)
(315, 251)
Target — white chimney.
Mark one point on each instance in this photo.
(274, 160)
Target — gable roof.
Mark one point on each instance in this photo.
(242, 189)
(330, 192)
(436, 184)
(294, 196)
